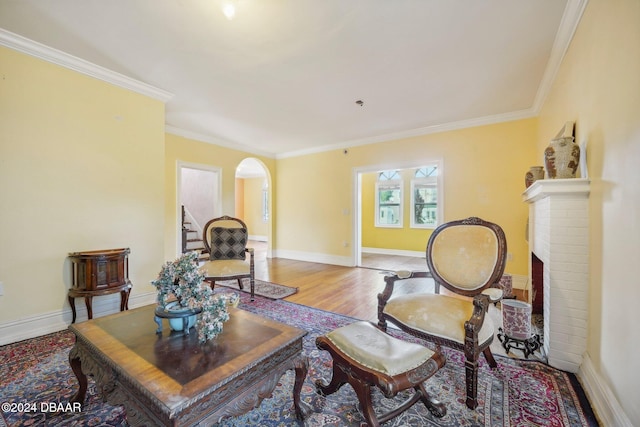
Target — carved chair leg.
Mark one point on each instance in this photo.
(489, 356)
(363, 391)
(471, 374)
(437, 408)
(338, 380)
(240, 284)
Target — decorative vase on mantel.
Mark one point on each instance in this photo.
(562, 158)
(535, 173)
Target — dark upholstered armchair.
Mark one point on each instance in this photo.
(466, 257)
(225, 239)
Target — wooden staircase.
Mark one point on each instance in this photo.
(192, 239)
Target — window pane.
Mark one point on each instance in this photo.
(389, 214)
(426, 172)
(425, 205)
(389, 205)
(388, 175)
(265, 206)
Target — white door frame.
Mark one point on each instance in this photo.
(217, 208)
(356, 253)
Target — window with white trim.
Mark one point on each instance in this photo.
(425, 206)
(265, 201)
(389, 199)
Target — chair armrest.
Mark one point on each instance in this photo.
(251, 254)
(494, 294)
(474, 324)
(390, 282)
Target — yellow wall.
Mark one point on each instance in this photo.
(178, 148)
(405, 238)
(81, 168)
(598, 86)
(483, 170)
(239, 198)
(313, 193)
(253, 207)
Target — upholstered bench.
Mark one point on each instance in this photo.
(364, 356)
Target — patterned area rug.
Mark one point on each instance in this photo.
(262, 288)
(518, 393)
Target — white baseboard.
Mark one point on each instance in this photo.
(314, 257)
(602, 400)
(54, 321)
(400, 252)
(258, 238)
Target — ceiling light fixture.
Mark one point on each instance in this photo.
(229, 10)
(360, 102)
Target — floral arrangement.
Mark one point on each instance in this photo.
(183, 280)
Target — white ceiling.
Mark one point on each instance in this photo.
(283, 76)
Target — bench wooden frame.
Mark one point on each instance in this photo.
(362, 378)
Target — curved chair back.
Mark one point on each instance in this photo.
(467, 256)
(223, 230)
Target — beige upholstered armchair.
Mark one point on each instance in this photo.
(225, 239)
(466, 257)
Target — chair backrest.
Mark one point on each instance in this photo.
(467, 256)
(225, 238)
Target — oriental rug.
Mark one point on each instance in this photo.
(518, 393)
(262, 288)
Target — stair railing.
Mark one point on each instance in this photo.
(184, 232)
(188, 218)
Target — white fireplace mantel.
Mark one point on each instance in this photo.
(550, 187)
(559, 237)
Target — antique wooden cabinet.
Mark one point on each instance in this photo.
(96, 273)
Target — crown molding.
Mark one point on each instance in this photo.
(568, 25)
(49, 54)
(481, 121)
(445, 127)
(215, 141)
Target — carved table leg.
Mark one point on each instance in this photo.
(124, 299)
(72, 303)
(76, 366)
(301, 366)
(88, 300)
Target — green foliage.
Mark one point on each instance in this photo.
(183, 280)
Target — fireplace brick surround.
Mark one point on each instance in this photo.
(559, 237)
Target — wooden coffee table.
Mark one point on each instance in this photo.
(170, 379)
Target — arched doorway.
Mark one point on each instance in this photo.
(253, 201)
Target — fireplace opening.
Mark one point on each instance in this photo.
(537, 301)
(537, 285)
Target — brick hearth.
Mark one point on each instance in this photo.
(559, 237)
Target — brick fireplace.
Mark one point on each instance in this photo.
(559, 244)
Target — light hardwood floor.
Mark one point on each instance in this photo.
(352, 291)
